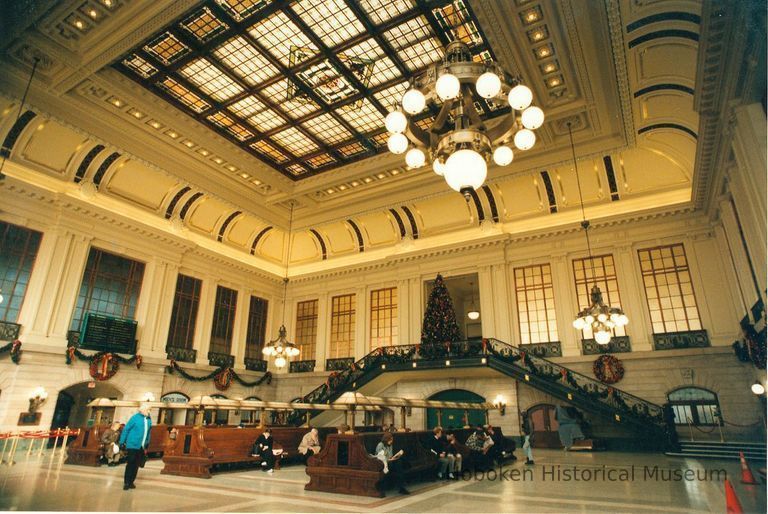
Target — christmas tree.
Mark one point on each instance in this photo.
(440, 319)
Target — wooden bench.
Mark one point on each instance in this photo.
(85, 449)
(345, 464)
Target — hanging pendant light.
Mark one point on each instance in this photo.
(599, 317)
(473, 313)
(281, 349)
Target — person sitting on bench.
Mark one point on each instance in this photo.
(394, 463)
(477, 443)
(452, 448)
(437, 445)
(310, 444)
(263, 448)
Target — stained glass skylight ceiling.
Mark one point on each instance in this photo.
(303, 85)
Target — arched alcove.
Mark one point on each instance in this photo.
(72, 404)
(454, 418)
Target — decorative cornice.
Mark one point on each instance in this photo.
(616, 31)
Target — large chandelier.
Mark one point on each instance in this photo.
(460, 144)
(601, 318)
(282, 349)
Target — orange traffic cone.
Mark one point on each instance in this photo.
(732, 503)
(746, 474)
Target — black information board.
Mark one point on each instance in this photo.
(107, 333)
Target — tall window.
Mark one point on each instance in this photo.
(600, 271)
(384, 329)
(668, 288)
(111, 286)
(536, 304)
(257, 328)
(184, 315)
(695, 406)
(18, 250)
(342, 326)
(306, 328)
(223, 320)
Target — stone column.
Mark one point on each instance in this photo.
(240, 332)
(633, 300)
(323, 332)
(202, 341)
(566, 305)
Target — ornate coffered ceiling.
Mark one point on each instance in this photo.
(224, 110)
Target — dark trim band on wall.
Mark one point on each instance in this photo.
(608, 164)
(226, 223)
(99, 175)
(412, 220)
(15, 132)
(685, 34)
(89, 157)
(359, 235)
(550, 191)
(258, 238)
(492, 203)
(188, 204)
(478, 205)
(669, 125)
(664, 16)
(399, 221)
(322, 243)
(661, 87)
(175, 200)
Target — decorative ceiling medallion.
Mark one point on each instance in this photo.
(326, 80)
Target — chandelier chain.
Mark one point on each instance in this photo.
(287, 260)
(21, 107)
(584, 221)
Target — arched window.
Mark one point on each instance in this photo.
(695, 406)
(166, 416)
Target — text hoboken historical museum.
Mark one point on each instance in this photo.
(558, 473)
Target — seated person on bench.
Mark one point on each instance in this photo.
(452, 448)
(263, 448)
(393, 464)
(438, 445)
(310, 444)
(477, 443)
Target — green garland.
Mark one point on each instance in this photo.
(73, 352)
(222, 376)
(15, 348)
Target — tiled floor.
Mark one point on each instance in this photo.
(44, 483)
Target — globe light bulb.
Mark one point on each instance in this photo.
(439, 167)
(473, 315)
(532, 118)
(589, 319)
(602, 337)
(414, 101)
(280, 362)
(758, 388)
(465, 168)
(579, 324)
(1, 298)
(395, 122)
(623, 320)
(294, 351)
(415, 158)
(488, 85)
(397, 143)
(520, 97)
(503, 155)
(615, 318)
(447, 86)
(602, 317)
(525, 139)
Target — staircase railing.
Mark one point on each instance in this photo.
(523, 365)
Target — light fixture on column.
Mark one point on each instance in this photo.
(473, 313)
(459, 144)
(757, 388)
(37, 398)
(282, 349)
(500, 403)
(599, 317)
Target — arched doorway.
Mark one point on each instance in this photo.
(455, 418)
(544, 426)
(694, 405)
(72, 404)
(173, 416)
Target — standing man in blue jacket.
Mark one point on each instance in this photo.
(135, 437)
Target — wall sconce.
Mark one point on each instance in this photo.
(148, 397)
(758, 389)
(500, 403)
(37, 398)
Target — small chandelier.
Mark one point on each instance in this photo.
(599, 317)
(460, 144)
(473, 313)
(282, 349)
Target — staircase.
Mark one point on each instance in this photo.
(651, 423)
(718, 450)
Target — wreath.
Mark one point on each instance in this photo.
(103, 366)
(223, 379)
(608, 369)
